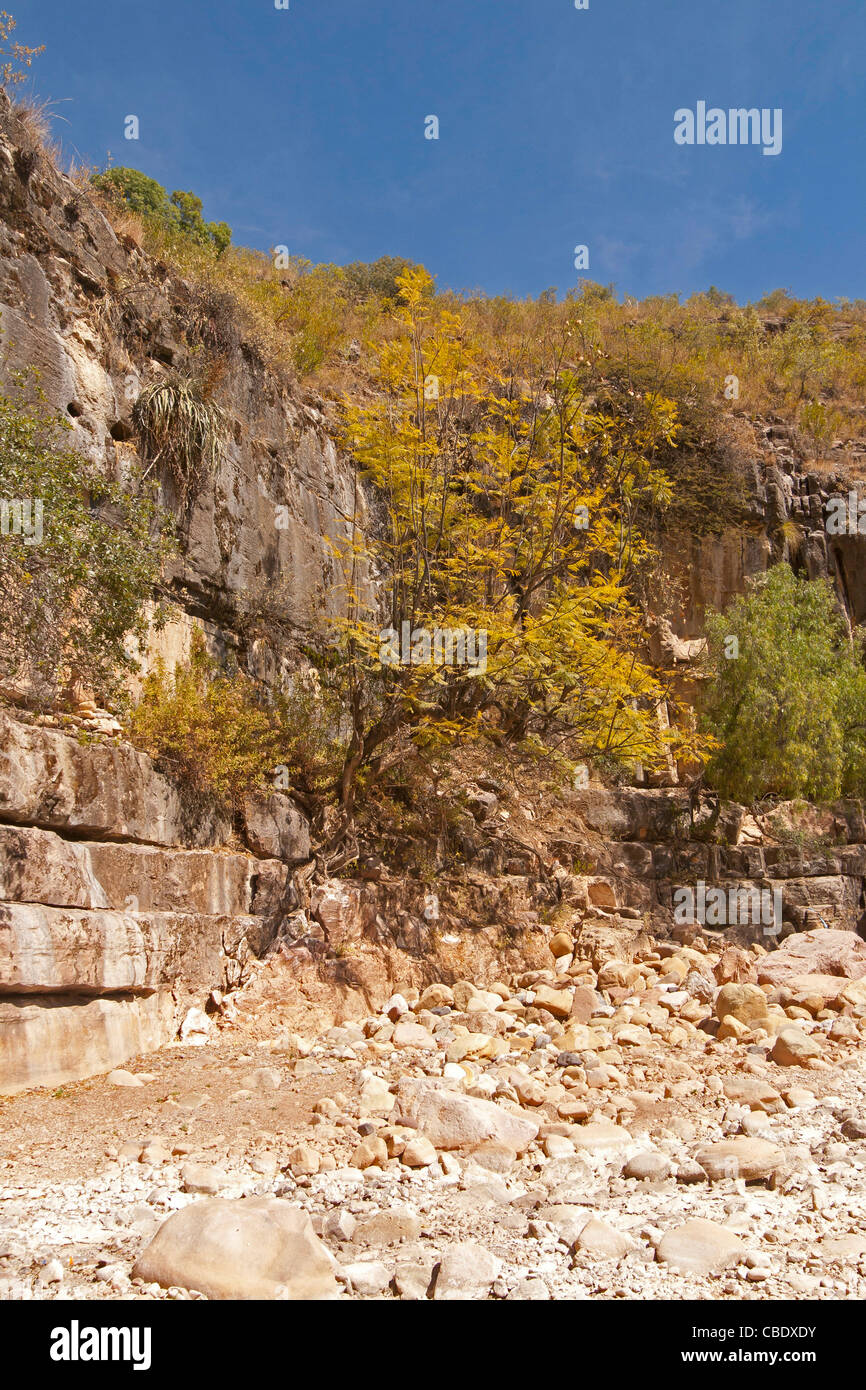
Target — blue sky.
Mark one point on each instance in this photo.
(305, 127)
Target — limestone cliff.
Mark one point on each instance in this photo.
(99, 320)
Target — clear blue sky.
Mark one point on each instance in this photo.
(306, 127)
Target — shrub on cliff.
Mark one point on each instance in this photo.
(364, 280)
(182, 428)
(178, 215)
(209, 730)
(215, 730)
(786, 694)
(79, 558)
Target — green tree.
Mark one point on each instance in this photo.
(79, 558)
(141, 194)
(365, 279)
(180, 214)
(787, 698)
(188, 213)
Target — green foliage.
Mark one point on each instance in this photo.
(376, 279)
(72, 598)
(140, 193)
(181, 428)
(790, 710)
(188, 213)
(216, 732)
(179, 215)
(819, 423)
(314, 314)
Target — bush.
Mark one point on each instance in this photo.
(215, 731)
(188, 216)
(377, 278)
(79, 557)
(790, 709)
(180, 214)
(179, 426)
(313, 311)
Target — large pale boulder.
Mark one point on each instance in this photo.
(256, 1247)
(466, 1272)
(699, 1247)
(826, 988)
(794, 1048)
(754, 1092)
(740, 1157)
(819, 952)
(451, 1120)
(407, 1034)
(603, 1241)
(436, 996)
(746, 1003)
(556, 1001)
(601, 1136)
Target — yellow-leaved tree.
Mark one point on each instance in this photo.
(506, 545)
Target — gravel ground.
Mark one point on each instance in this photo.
(592, 1207)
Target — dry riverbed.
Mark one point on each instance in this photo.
(667, 1126)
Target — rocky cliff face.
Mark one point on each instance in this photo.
(126, 916)
(782, 513)
(119, 911)
(99, 320)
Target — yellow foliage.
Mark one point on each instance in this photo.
(513, 504)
